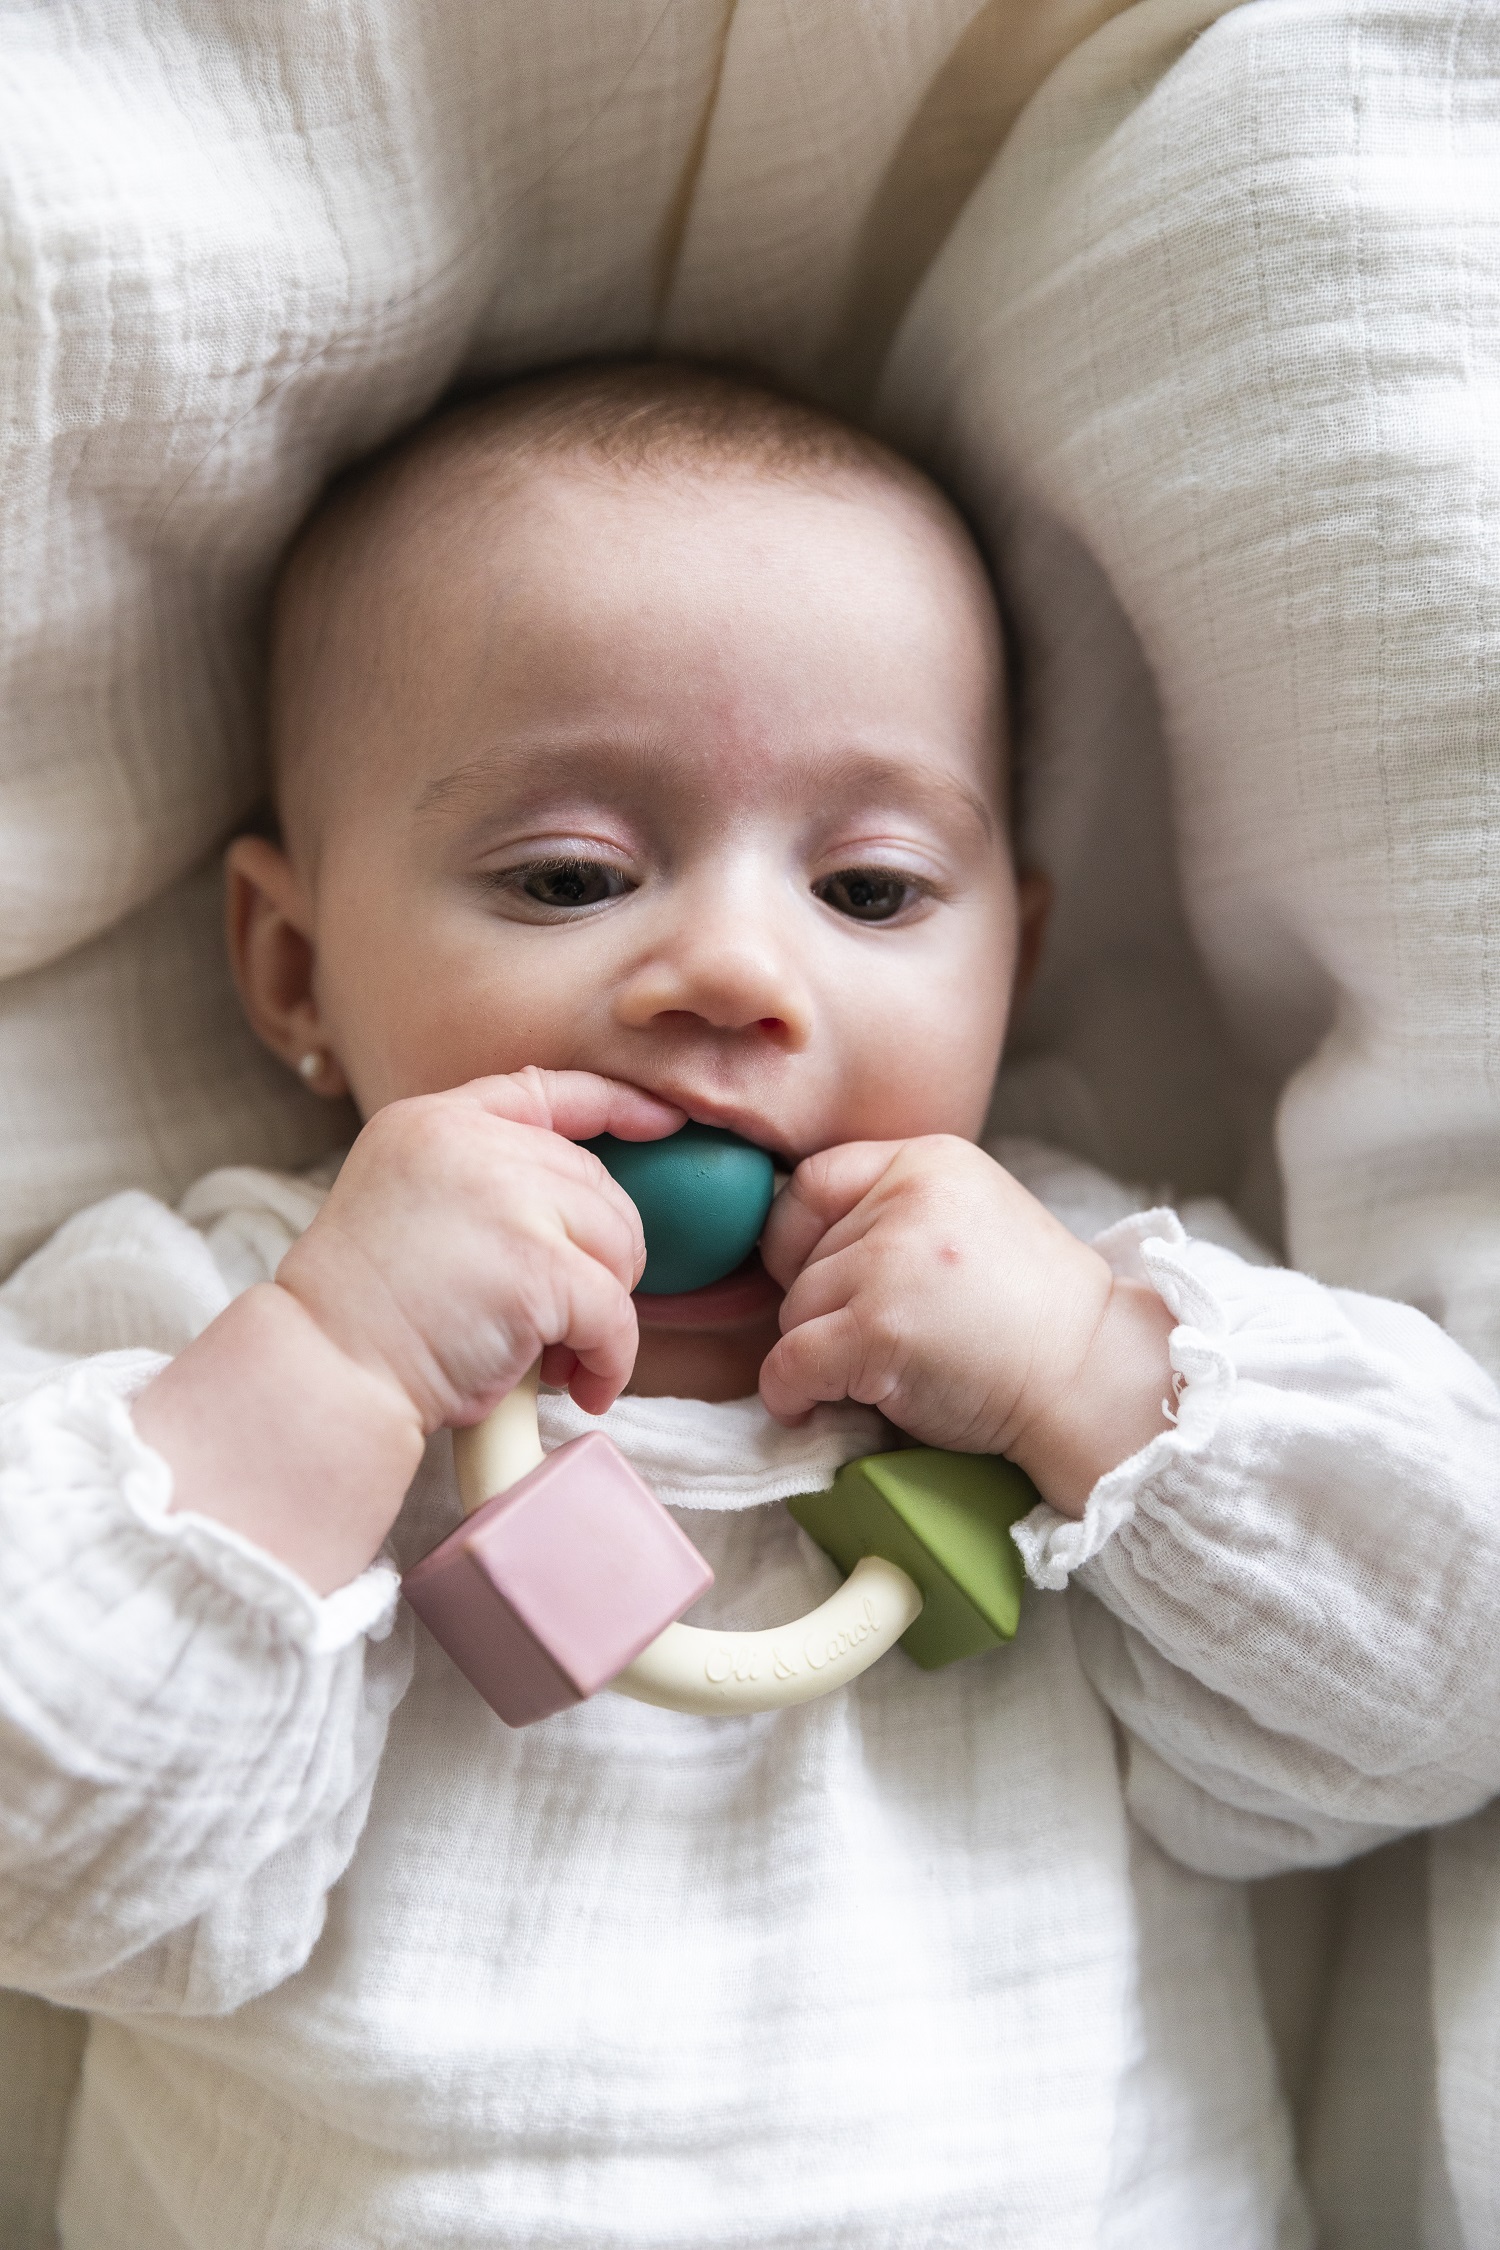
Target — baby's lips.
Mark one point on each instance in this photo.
(745, 1122)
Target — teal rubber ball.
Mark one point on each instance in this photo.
(703, 1195)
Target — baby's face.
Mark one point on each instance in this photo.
(697, 785)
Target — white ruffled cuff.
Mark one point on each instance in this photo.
(1146, 1247)
(76, 1431)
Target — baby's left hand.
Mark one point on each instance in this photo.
(924, 1280)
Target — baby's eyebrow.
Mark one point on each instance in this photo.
(846, 778)
(526, 766)
(850, 778)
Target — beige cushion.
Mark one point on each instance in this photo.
(1210, 352)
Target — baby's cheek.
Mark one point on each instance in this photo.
(905, 1095)
(935, 1075)
(429, 1026)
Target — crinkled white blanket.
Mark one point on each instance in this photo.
(1210, 350)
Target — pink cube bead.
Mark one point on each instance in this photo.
(551, 1588)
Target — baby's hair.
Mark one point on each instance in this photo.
(613, 418)
(629, 415)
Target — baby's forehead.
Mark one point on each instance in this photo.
(462, 508)
(616, 430)
(392, 549)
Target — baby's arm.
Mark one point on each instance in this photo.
(189, 1729)
(188, 1734)
(1293, 1584)
(1293, 1592)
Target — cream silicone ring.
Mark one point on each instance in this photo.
(723, 1674)
(694, 1669)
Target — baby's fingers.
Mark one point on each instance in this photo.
(597, 1217)
(824, 1359)
(579, 1104)
(823, 1190)
(595, 1329)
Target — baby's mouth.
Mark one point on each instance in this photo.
(742, 1296)
(727, 1117)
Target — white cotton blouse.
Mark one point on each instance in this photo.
(946, 1959)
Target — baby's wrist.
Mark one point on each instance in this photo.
(270, 1428)
(350, 1386)
(363, 1326)
(1112, 1406)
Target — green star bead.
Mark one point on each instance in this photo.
(702, 1194)
(945, 1518)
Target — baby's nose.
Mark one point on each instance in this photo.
(732, 976)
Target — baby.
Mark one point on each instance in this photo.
(641, 759)
(639, 752)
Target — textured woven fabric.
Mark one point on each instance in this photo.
(893, 1967)
(243, 246)
(361, 1961)
(1211, 355)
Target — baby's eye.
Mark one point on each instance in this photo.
(573, 882)
(867, 894)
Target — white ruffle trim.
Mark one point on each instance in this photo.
(1146, 1247)
(76, 1432)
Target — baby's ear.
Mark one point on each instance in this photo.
(268, 926)
(1034, 895)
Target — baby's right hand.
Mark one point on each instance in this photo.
(467, 1233)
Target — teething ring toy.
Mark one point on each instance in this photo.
(568, 1575)
(688, 1669)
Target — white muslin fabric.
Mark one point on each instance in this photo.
(906, 1965)
(1210, 355)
